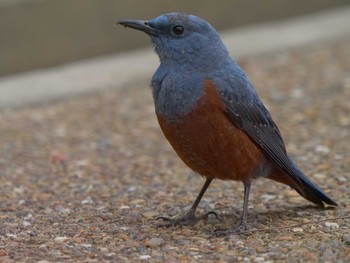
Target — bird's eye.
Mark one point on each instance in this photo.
(178, 30)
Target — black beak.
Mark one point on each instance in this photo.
(141, 25)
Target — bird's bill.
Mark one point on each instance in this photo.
(141, 25)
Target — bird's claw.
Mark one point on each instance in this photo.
(241, 228)
(206, 216)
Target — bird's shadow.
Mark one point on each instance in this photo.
(273, 218)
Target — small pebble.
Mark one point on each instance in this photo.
(21, 202)
(26, 223)
(297, 229)
(131, 188)
(43, 246)
(48, 210)
(29, 216)
(63, 211)
(145, 257)
(86, 245)
(239, 242)
(104, 249)
(331, 226)
(110, 255)
(150, 214)
(322, 149)
(268, 197)
(209, 207)
(137, 201)
(154, 242)
(342, 179)
(297, 93)
(82, 163)
(87, 201)
(18, 190)
(259, 259)
(302, 213)
(346, 240)
(319, 175)
(60, 240)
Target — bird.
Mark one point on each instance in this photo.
(212, 116)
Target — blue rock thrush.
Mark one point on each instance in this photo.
(211, 114)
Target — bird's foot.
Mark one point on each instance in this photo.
(187, 220)
(231, 231)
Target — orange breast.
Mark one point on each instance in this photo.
(210, 144)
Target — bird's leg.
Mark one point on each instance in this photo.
(243, 224)
(190, 218)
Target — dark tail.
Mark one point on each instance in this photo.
(303, 185)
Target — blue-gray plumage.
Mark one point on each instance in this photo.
(211, 114)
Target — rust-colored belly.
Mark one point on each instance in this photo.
(210, 144)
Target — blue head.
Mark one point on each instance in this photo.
(190, 51)
(181, 38)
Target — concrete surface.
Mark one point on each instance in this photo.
(41, 33)
(118, 70)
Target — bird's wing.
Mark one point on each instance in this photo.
(248, 113)
(244, 108)
(256, 121)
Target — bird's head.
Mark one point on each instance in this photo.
(181, 38)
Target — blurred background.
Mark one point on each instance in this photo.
(43, 33)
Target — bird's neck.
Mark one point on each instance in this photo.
(175, 91)
(196, 57)
(194, 64)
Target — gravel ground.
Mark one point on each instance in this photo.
(84, 179)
